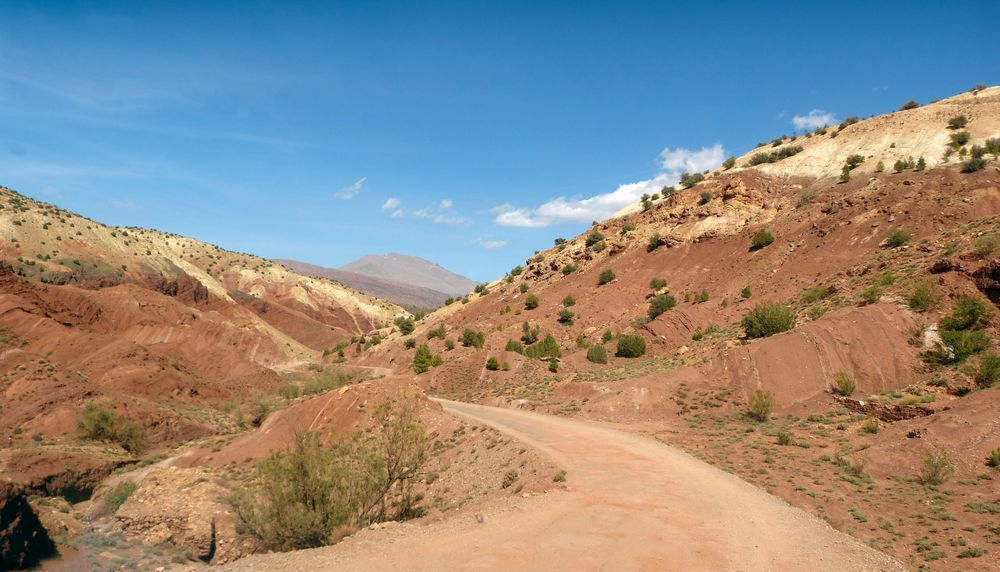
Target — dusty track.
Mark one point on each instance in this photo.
(632, 504)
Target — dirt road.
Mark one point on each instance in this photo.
(631, 504)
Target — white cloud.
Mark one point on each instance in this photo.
(123, 204)
(490, 244)
(814, 119)
(673, 162)
(398, 213)
(391, 203)
(447, 204)
(348, 193)
(395, 205)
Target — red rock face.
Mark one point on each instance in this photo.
(23, 540)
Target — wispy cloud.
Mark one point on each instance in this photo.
(128, 204)
(814, 119)
(396, 206)
(348, 193)
(673, 163)
(490, 244)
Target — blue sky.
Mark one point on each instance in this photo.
(468, 133)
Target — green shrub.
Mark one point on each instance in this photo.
(480, 289)
(405, 325)
(547, 348)
(871, 294)
(761, 238)
(599, 247)
(957, 345)
(300, 496)
(410, 343)
(768, 319)
(581, 342)
(553, 365)
(531, 302)
(522, 287)
(870, 426)
(909, 105)
(729, 163)
(845, 174)
(438, 332)
(657, 283)
(853, 161)
(630, 346)
(957, 122)
(516, 271)
(973, 165)
(784, 438)
(655, 242)
(597, 354)
(565, 317)
(967, 313)
(661, 304)
(514, 346)
(449, 345)
(607, 336)
(422, 359)
(117, 496)
(843, 384)
(936, 468)
(473, 339)
(921, 165)
(989, 370)
(606, 276)
(704, 198)
(774, 156)
(569, 301)
(593, 238)
(897, 237)
(568, 269)
(993, 460)
(959, 139)
(529, 334)
(745, 292)
(759, 405)
(815, 294)
(701, 297)
(101, 424)
(688, 180)
(923, 297)
(492, 364)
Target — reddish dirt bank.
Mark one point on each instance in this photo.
(631, 504)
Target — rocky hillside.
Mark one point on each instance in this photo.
(862, 280)
(156, 326)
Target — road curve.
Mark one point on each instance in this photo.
(632, 504)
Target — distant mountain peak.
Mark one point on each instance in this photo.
(412, 271)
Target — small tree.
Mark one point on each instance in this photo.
(960, 138)
(422, 359)
(729, 163)
(606, 276)
(472, 338)
(845, 174)
(568, 269)
(492, 364)
(761, 238)
(921, 164)
(909, 105)
(957, 122)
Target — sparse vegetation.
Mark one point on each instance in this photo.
(117, 496)
(657, 284)
(593, 238)
(957, 122)
(774, 156)
(988, 373)
(531, 302)
(473, 339)
(606, 276)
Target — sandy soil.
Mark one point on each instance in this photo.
(631, 504)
